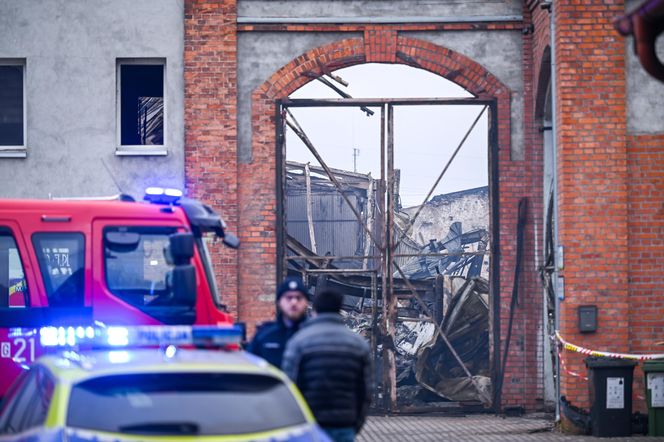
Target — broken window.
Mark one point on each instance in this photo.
(141, 103)
(12, 94)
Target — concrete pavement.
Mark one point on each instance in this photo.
(474, 427)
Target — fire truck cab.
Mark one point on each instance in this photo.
(119, 262)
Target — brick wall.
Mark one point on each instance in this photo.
(646, 249)
(210, 67)
(592, 178)
(214, 174)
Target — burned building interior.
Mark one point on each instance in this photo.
(441, 347)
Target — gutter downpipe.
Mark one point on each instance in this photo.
(554, 141)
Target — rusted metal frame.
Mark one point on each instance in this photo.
(294, 125)
(282, 260)
(389, 299)
(439, 331)
(364, 257)
(342, 271)
(345, 173)
(310, 220)
(381, 329)
(494, 251)
(440, 177)
(341, 93)
(370, 215)
(374, 319)
(325, 70)
(375, 102)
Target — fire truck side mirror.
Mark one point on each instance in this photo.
(184, 285)
(231, 241)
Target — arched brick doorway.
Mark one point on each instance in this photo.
(257, 198)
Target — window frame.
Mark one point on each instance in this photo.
(18, 151)
(8, 232)
(139, 149)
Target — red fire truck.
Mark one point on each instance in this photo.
(69, 263)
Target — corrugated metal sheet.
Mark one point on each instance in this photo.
(337, 230)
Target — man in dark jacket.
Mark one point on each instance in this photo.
(331, 366)
(270, 339)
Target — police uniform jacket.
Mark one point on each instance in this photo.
(270, 340)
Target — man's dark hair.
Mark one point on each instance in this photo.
(328, 301)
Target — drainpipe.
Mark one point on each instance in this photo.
(554, 142)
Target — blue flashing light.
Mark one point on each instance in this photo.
(118, 356)
(117, 336)
(138, 336)
(161, 195)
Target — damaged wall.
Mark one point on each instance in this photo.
(269, 32)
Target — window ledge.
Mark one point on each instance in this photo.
(148, 152)
(13, 153)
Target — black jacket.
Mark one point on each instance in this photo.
(331, 365)
(270, 340)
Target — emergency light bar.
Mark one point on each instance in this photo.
(161, 195)
(138, 336)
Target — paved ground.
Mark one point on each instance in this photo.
(475, 427)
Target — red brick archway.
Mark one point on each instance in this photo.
(257, 181)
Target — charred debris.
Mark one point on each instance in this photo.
(441, 337)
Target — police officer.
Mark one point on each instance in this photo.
(270, 340)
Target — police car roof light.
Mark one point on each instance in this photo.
(137, 336)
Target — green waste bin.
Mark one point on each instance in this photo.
(610, 385)
(654, 374)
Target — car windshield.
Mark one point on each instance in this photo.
(183, 404)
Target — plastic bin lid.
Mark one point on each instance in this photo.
(653, 365)
(599, 362)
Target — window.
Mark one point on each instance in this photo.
(61, 259)
(136, 268)
(13, 286)
(141, 104)
(202, 404)
(12, 107)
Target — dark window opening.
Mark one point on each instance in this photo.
(142, 104)
(11, 105)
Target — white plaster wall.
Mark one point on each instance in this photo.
(70, 48)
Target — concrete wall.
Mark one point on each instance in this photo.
(262, 54)
(645, 113)
(501, 54)
(470, 207)
(70, 48)
(375, 8)
(259, 56)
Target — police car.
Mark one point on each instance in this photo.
(164, 392)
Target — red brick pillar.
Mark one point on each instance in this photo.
(210, 78)
(592, 179)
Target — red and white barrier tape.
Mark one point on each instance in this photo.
(567, 370)
(586, 351)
